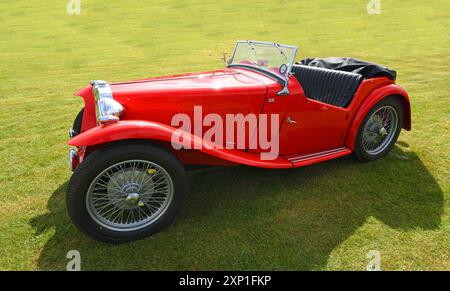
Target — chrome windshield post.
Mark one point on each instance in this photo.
(285, 90)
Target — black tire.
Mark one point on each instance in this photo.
(360, 153)
(78, 120)
(100, 160)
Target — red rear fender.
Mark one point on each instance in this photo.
(370, 101)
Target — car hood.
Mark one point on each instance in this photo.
(158, 99)
(215, 83)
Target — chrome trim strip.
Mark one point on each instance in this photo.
(316, 155)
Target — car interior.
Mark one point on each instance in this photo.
(335, 80)
(333, 87)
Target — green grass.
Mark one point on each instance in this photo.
(326, 216)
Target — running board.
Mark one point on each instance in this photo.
(304, 160)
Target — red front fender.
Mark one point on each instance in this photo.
(373, 99)
(123, 130)
(133, 129)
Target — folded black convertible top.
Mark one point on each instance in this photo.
(366, 69)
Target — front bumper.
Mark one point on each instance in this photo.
(74, 159)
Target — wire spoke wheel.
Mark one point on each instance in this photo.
(129, 195)
(379, 130)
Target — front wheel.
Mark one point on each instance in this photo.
(126, 192)
(379, 130)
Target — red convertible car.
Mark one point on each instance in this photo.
(133, 141)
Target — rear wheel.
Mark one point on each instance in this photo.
(126, 193)
(379, 130)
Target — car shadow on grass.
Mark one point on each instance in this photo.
(247, 218)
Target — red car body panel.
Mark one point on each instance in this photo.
(320, 132)
(134, 129)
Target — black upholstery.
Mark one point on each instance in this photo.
(328, 86)
(366, 69)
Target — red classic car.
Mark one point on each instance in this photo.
(133, 141)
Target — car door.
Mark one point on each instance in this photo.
(308, 126)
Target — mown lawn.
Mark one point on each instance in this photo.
(326, 216)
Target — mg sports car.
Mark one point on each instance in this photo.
(133, 141)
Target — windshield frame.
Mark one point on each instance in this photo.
(281, 78)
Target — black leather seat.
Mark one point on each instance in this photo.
(328, 86)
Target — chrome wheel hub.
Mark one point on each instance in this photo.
(380, 129)
(133, 199)
(129, 195)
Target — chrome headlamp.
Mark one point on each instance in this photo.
(107, 110)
